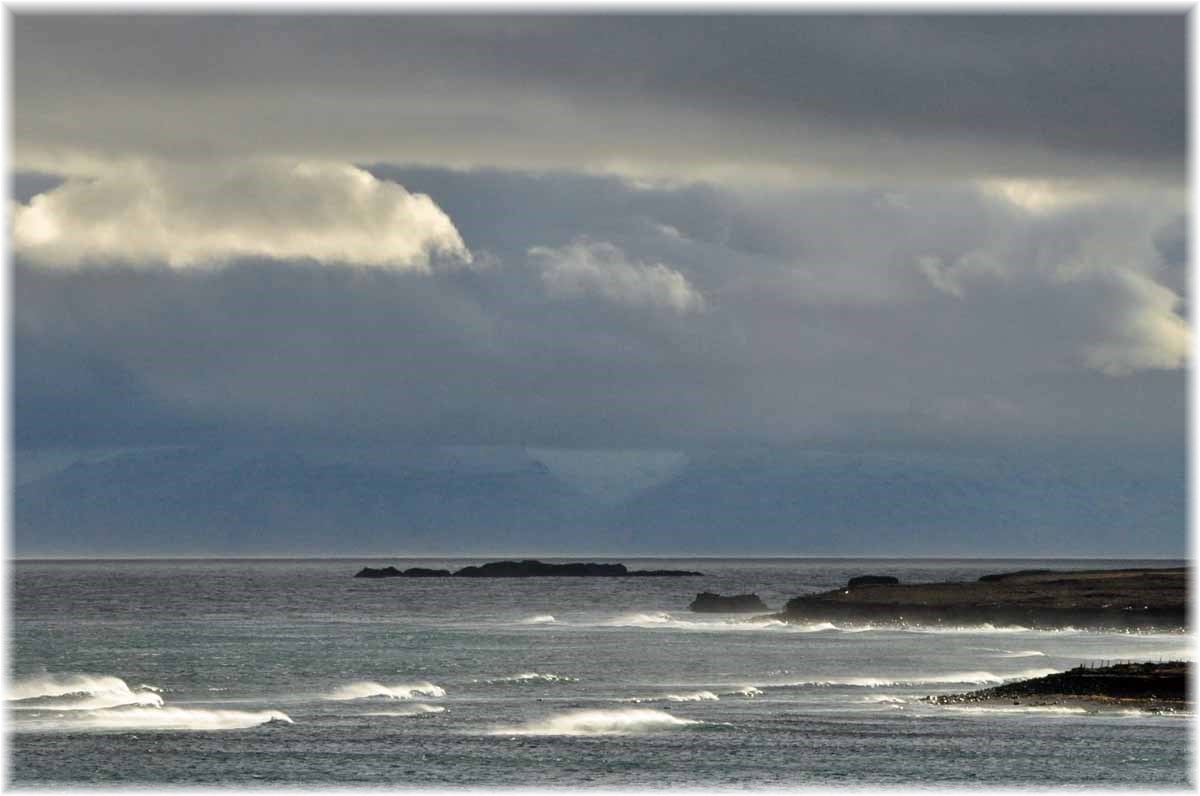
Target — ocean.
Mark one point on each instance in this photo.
(250, 672)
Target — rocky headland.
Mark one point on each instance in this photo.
(1161, 687)
(528, 569)
(1116, 599)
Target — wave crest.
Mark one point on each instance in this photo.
(955, 678)
(367, 689)
(694, 696)
(158, 718)
(532, 677)
(627, 721)
(79, 692)
(540, 619)
(419, 709)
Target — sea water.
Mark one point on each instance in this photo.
(257, 672)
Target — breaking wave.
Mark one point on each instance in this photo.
(419, 709)
(540, 619)
(883, 699)
(156, 718)
(1023, 709)
(79, 692)
(661, 619)
(955, 678)
(366, 689)
(628, 721)
(533, 677)
(694, 696)
(746, 691)
(999, 653)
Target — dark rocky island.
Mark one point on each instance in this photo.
(392, 572)
(1119, 599)
(529, 569)
(708, 602)
(1143, 686)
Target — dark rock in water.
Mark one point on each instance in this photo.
(386, 572)
(1160, 682)
(526, 569)
(535, 569)
(538, 569)
(708, 602)
(872, 580)
(664, 573)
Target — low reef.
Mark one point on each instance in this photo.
(1114, 599)
(710, 603)
(1161, 687)
(529, 569)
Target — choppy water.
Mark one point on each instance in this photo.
(293, 672)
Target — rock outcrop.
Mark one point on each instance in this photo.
(1156, 685)
(710, 603)
(529, 569)
(1122, 599)
(385, 572)
(872, 580)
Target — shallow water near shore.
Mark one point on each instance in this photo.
(256, 672)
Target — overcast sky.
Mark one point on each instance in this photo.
(659, 233)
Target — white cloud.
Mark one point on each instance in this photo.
(586, 268)
(181, 216)
(1145, 332)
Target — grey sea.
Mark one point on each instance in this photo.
(251, 673)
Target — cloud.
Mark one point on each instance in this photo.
(733, 97)
(182, 216)
(588, 268)
(815, 316)
(1145, 332)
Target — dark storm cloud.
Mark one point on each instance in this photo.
(996, 94)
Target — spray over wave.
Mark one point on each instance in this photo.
(533, 677)
(694, 696)
(420, 709)
(663, 620)
(79, 692)
(628, 721)
(954, 678)
(367, 689)
(540, 619)
(155, 718)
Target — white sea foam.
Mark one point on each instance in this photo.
(662, 620)
(693, 696)
(953, 678)
(366, 689)
(419, 709)
(746, 691)
(1000, 653)
(883, 699)
(156, 718)
(626, 721)
(79, 692)
(1051, 710)
(533, 677)
(540, 619)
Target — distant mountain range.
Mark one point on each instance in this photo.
(173, 501)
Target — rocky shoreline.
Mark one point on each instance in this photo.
(1123, 599)
(1155, 687)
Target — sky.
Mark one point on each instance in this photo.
(796, 283)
